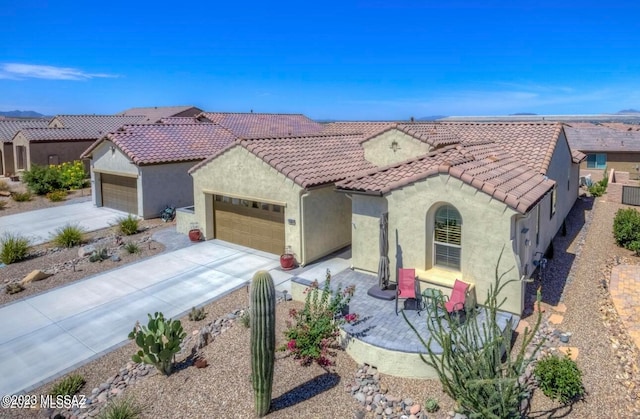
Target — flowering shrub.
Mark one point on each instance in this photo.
(45, 179)
(317, 324)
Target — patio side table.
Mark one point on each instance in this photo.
(432, 297)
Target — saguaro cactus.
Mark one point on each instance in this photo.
(263, 339)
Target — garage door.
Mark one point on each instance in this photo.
(254, 224)
(119, 192)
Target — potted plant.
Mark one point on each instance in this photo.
(194, 233)
(287, 259)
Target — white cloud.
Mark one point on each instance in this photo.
(19, 71)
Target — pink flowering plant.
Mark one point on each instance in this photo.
(312, 336)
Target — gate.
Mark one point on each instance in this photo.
(631, 195)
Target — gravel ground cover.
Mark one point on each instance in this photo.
(38, 201)
(577, 276)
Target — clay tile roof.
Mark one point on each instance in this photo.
(42, 135)
(532, 143)
(163, 143)
(9, 127)
(260, 125)
(182, 120)
(365, 129)
(596, 138)
(486, 166)
(434, 134)
(97, 125)
(154, 114)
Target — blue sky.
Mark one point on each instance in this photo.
(329, 60)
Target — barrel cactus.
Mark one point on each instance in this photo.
(263, 339)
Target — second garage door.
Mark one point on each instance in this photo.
(119, 192)
(254, 224)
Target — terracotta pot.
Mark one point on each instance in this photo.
(287, 261)
(194, 235)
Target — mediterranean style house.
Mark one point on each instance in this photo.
(456, 194)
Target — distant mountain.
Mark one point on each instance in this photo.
(629, 111)
(432, 118)
(21, 114)
(522, 113)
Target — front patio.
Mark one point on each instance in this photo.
(383, 339)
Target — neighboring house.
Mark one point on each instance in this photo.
(68, 136)
(65, 138)
(480, 189)
(140, 169)
(154, 114)
(607, 146)
(252, 125)
(8, 130)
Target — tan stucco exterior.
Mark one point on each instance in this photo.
(619, 161)
(317, 220)
(379, 150)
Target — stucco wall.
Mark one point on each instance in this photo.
(7, 159)
(486, 229)
(237, 172)
(365, 231)
(165, 184)
(378, 150)
(20, 141)
(326, 222)
(67, 151)
(621, 162)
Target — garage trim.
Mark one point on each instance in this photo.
(245, 197)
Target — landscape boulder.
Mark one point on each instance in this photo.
(86, 250)
(35, 275)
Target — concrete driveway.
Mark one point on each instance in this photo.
(48, 334)
(39, 225)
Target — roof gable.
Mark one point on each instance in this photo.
(10, 127)
(154, 114)
(95, 125)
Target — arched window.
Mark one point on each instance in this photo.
(447, 237)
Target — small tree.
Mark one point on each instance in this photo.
(473, 368)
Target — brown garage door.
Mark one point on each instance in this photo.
(119, 192)
(254, 224)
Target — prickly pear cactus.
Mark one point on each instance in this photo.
(159, 341)
(263, 339)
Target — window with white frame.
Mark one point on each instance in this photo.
(596, 161)
(554, 198)
(447, 238)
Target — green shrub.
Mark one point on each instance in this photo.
(4, 186)
(42, 179)
(21, 196)
(72, 174)
(635, 247)
(14, 288)
(159, 341)
(132, 248)
(57, 196)
(121, 408)
(68, 386)
(197, 314)
(99, 255)
(13, 248)
(626, 227)
(245, 319)
(128, 225)
(559, 378)
(317, 324)
(599, 188)
(68, 235)
(431, 405)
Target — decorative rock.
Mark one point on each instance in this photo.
(415, 409)
(35, 275)
(388, 411)
(360, 397)
(115, 258)
(86, 250)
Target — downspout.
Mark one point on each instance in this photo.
(303, 194)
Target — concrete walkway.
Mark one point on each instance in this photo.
(40, 225)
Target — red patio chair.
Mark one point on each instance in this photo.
(458, 297)
(406, 288)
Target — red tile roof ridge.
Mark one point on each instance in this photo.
(247, 113)
(302, 136)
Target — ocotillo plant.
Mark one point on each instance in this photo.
(263, 339)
